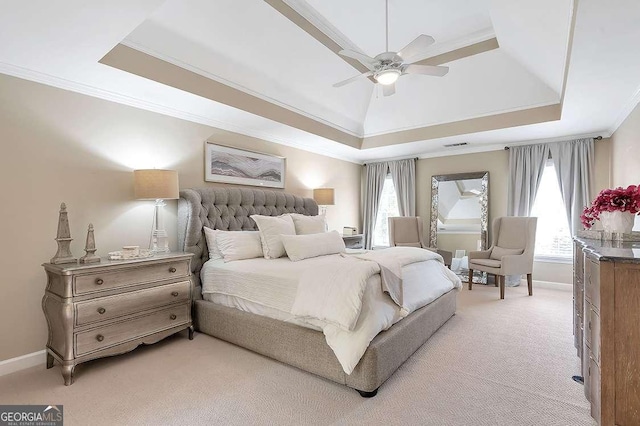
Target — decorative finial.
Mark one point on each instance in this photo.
(63, 255)
(90, 248)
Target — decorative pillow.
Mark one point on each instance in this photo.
(309, 224)
(498, 252)
(299, 247)
(271, 228)
(238, 245)
(212, 244)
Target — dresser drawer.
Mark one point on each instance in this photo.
(95, 282)
(592, 283)
(110, 335)
(109, 307)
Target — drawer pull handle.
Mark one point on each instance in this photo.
(174, 293)
(172, 269)
(101, 311)
(173, 316)
(99, 281)
(99, 337)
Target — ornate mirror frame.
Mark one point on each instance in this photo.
(484, 204)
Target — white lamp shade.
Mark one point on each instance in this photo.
(155, 184)
(324, 196)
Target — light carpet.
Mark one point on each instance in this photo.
(496, 362)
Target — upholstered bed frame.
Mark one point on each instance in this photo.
(229, 209)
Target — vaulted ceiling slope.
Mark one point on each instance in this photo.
(518, 71)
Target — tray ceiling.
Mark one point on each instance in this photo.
(519, 71)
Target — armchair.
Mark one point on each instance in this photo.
(408, 231)
(511, 251)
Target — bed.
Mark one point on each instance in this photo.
(270, 333)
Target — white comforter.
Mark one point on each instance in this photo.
(271, 288)
(352, 313)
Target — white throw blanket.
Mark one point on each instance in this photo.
(338, 299)
(334, 295)
(391, 261)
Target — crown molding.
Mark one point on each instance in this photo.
(322, 24)
(60, 83)
(473, 117)
(626, 110)
(177, 62)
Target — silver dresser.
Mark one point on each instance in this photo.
(108, 308)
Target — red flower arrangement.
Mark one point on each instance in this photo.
(612, 200)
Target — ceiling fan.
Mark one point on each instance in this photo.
(387, 67)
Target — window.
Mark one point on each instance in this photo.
(388, 207)
(553, 239)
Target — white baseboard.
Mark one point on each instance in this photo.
(12, 365)
(550, 285)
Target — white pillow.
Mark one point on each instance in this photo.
(309, 224)
(212, 244)
(238, 245)
(301, 247)
(271, 228)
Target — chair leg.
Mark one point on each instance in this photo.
(470, 279)
(502, 280)
(530, 283)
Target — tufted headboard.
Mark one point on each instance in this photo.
(228, 209)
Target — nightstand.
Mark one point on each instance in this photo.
(109, 308)
(354, 241)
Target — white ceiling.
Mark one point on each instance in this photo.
(250, 46)
(363, 21)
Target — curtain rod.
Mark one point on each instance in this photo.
(415, 158)
(597, 138)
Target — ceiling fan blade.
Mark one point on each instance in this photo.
(425, 70)
(362, 58)
(352, 79)
(389, 89)
(416, 50)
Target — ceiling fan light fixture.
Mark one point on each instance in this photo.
(387, 77)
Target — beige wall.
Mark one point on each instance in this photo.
(497, 164)
(61, 146)
(625, 154)
(625, 151)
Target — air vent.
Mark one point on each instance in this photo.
(456, 144)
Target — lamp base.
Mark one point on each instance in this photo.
(159, 238)
(160, 241)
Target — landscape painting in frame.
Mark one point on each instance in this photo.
(232, 165)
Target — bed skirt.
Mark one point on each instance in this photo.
(308, 350)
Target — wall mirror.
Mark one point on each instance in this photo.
(460, 212)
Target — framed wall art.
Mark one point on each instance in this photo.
(232, 165)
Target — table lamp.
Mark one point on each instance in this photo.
(159, 185)
(324, 197)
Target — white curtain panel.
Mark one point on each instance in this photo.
(526, 165)
(573, 161)
(403, 173)
(375, 174)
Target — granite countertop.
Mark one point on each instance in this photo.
(619, 251)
